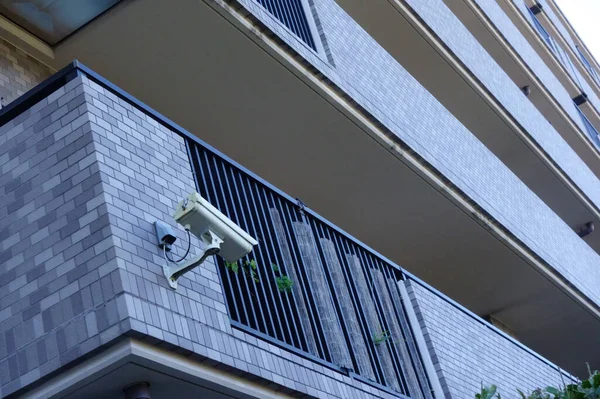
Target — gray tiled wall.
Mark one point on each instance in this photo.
(19, 72)
(59, 296)
(455, 35)
(466, 352)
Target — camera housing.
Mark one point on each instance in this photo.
(220, 235)
(199, 217)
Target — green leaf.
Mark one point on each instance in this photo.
(233, 266)
(554, 391)
(595, 378)
(254, 276)
(384, 336)
(284, 283)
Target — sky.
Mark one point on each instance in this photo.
(584, 15)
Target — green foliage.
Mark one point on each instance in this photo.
(233, 266)
(381, 338)
(586, 389)
(537, 394)
(284, 283)
(488, 393)
(251, 265)
(248, 267)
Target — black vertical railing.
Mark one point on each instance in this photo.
(308, 287)
(291, 13)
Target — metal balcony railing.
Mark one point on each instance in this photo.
(588, 66)
(591, 130)
(540, 28)
(293, 15)
(562, 56)
(566, 61)
(310, 288)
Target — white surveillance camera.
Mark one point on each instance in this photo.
(217, 231)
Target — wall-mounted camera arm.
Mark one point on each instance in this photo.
(219, 234)
(213, 246)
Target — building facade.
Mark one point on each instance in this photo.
(421, 178)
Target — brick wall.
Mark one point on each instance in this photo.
(19, 72)
(59, 296)
(468, 352)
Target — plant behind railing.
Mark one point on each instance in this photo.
(586, 389)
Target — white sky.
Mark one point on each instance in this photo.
(584, 15)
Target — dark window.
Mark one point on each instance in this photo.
(53, 20)
(291, 14)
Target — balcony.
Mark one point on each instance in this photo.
(496, 25)
(476, 353)
(358, 139)
(572, 43)
(351, 313)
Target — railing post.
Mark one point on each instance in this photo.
(434, 382)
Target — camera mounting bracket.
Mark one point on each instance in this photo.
(213, 246)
